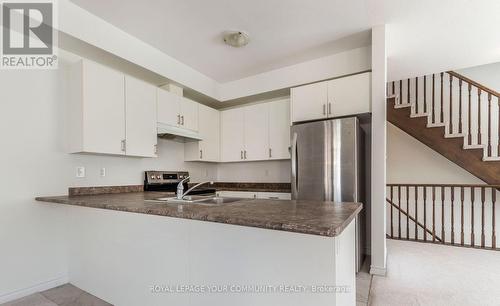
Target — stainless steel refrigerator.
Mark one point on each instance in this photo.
(327, 166)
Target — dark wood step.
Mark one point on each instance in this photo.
(451, 148)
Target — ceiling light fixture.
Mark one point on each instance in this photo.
(236, 39)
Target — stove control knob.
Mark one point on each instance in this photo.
(152, 177)
(158, 177)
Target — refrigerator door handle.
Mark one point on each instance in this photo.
(295, 174)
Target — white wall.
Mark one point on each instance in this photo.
(260, 172)
(487, 75)
(335, 65)
(410, 161)
(33, 163)
(378, 141)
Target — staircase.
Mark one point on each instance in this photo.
(454, 115)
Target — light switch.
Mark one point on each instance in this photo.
(80, 171)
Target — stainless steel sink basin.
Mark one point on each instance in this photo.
(202, 200)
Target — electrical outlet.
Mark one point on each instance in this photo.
(103, 172)
(267, 172)
(80, 172)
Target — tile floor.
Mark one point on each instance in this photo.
(69, 295)
(65, 295)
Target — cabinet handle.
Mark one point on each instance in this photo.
(201, 154)
(245, 154)
(270, 152)
(182, 120)
(324, 109)
(330, 108)
(178, 119)
(241, 154)
(156, 149)
(123, 145)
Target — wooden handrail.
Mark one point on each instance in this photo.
(412, 219)
(474, 83)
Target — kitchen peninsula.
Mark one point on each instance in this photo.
(131, 250)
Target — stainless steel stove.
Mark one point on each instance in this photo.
(167, 181)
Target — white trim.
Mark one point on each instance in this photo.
(403, 105)
(454, 135)
(491, 158)
(431, 125)
(381, 271)
(474, 146)
(419, 115)
(16, 294)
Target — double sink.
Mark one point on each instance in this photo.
(202, 200)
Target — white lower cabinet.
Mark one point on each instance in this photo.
(107, 115)
(207, 149)
(255, 195)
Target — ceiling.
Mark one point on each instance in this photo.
(423, 36)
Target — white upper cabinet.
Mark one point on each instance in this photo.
(189, 114)
(345, 96)
(177, 111)
(279, 129)
(309, 102)
(108, 115)
(256, 132)
(209, 128)
(169, 107)
(96, 110)
(350, 95)
(232, 134)
(140, 110)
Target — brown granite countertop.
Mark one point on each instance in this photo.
(308, 217)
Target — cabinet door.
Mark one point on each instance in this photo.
(189, 114)
(309, 102)
(140, 109)
(274, 195)
(168, 107)
(350, 95)
(256, 132)
(103, 108)
(209, 128)
(232, 134)
(279, 129)
(237, 194)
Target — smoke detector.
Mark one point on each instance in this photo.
(236, 39)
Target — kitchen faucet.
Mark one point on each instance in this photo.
(180, 188)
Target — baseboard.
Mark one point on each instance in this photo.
(10, 296)
(381, 271)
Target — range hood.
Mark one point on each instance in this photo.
(169, 132)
